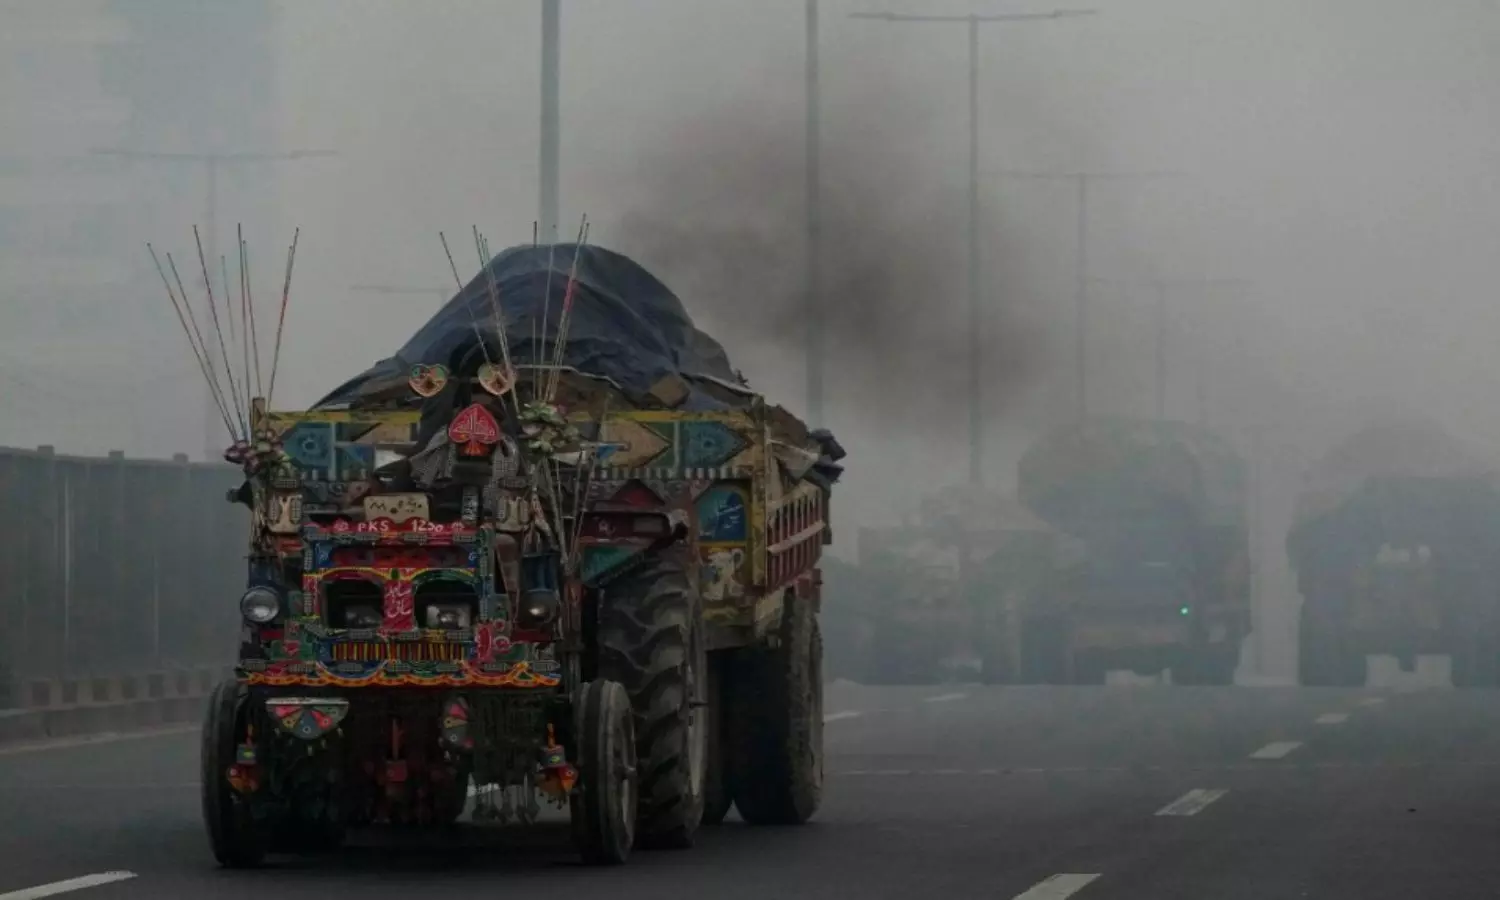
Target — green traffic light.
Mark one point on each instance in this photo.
(1183, 611)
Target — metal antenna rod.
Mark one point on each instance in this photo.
(211, 163)
(976, 342)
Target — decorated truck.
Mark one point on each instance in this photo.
(553, 550)
(1163, 584)
(1395, 544)
(945, 588)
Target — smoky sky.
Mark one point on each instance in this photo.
(717, 207)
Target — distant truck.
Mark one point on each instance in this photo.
(942, 592)
(1395, 545)
(1163, 583)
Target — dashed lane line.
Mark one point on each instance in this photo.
(846, 714)
(1371, 701)
(1057, 887)
(1331, 719)
(944, 698)
(1191, 803)
(64, 887)
(1276, 750)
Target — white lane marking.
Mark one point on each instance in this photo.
(944, 698)
(1371, 701)
(63, 887)
(1276, 750)
(1112, 770)
(109, 738)
(1331, 719)
(846, 714)
(1192, 802)
(1057, 887)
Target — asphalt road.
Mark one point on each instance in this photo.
(957, 792)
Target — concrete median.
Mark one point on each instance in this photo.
(96, 705)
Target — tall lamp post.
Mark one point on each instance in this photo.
(973, 22)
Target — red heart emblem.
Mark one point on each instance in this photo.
(474, 429)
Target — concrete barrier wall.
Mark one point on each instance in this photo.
(53, 709)
(119, 582)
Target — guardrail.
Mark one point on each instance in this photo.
(52, 709)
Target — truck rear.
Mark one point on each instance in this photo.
(1395, 546)
(1163, 584)
(591, 582)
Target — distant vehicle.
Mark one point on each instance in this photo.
(936, 590)
(1159, 509)
(589, 578)
(1396, 546)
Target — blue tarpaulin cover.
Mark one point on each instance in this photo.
(625, 325)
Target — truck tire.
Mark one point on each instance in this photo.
(1323, 657)
(1209, 666)
(651, 641)
(776, 723)
(1474, 660)
(996, 662)
(604, 804)
(1043, 652)
(237, 839)
(717, 795)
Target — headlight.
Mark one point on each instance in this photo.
(260, 605)
(539, 608)
(452, 616)
(362, 617)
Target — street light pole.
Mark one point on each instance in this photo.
(1162, 287)
(1082, 182)
(976, 344)
(551, 141)
(211, 163)
(814, 250)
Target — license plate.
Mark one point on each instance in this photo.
(396, 507)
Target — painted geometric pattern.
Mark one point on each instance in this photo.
(657, 446)
(708, 444)
(339, 447)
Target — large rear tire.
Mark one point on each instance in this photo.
(1210, 665)
(718, 796)
(651, 641)
(1323, 659)
(603, 804)
(777, 723)
(1476, 661)
(237, 839)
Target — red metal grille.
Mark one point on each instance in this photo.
(409, 651)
